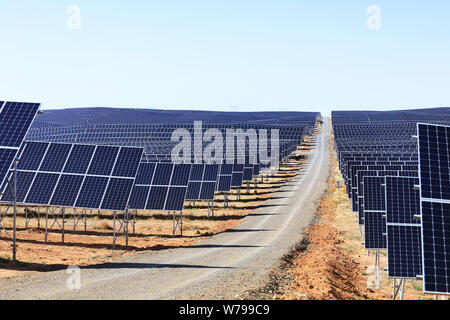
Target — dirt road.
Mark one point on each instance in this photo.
(222, 267)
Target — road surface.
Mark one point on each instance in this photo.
(221, 267)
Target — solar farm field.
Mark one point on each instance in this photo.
(182, 204)
(90, 187)
(394, 166)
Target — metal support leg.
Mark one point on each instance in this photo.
(377, 270)
(398, 287)
(46, 224)
(15, 210)
(39, 217)
(114, 230)
(63, 224)
(177, 222)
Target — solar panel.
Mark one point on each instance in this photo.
(403, 231)
(91, 192)
(157, 198)
(374, 209)
(238, 174)
(434, 160)
(79, 159)
(118, 192)
(225, 176)
(202, 187)
(248, 173)
(50, 174)
(15, 121)
(42, 188)
(32, 155)
(103, 161)
(67, 190)
(161, 186)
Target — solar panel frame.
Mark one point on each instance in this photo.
(93, 189)
(403, 232)
(14, 140)
(435, 253)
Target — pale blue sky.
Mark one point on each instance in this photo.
(255, 55)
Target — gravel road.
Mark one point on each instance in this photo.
(221, 267)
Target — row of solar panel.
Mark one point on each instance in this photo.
(84, 176)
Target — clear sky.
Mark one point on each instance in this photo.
(226, 55)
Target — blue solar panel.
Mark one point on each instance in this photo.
(402, 200)
(434, 160)
(127, 162)
(138, 198)
(226, 169)
(32, 155)
(180, 176)
(117, 194)
(24, 179)
(224, 184)
(55, 157)
(248, 174)
(42, 188)
(79, 158)
(103, 160)
(197, 172)
(6, 159)
(157, 198)
(79, 189)
(145, 173)
(193, 190)
(211, 172)
(236, 180)
(91, 192)
(15, 120)
(175, 199)
(374, 209)
(163, 174)
(207, 191)
(403, 232)
(404, 251)
(67, 190)
(436, 256)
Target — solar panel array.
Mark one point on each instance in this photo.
(153, 129)
(434, 158)
(382, 169)
(15, 120)
(202, 183)
(160, 186)
(224, 178)
(75, 175)
(403, 230)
